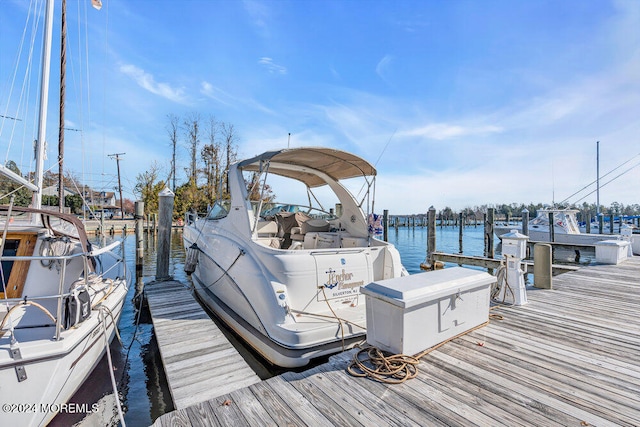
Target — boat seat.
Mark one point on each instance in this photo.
(267, 229)
(296, 234)
(267, 233)
(317, 225)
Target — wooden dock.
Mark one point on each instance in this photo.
(570, 357)
(199, 362)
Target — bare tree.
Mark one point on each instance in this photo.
(147, 187)
(211, 157)
(230, 146)
(172, 130)
(192, 128)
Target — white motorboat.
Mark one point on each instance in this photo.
(287, 277)
(565, 228)
(60, 299)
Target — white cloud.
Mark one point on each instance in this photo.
(147, 82)
(383, 66)
(272, 67)
(218, 95)
(442, 131)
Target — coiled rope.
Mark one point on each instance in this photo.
(381, 366)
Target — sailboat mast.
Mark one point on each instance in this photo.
(598, 179)
(63, 70)
(44, 101)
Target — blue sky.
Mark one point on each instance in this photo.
(458, 103)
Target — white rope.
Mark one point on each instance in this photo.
(103, 320)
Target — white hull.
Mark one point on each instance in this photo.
(54, 369)
(569, 239)
(565, 228)
(291, 292)
(45, 356)
(245, 298)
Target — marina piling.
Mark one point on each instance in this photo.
(139, 217)
(165, 216)
(385, 224)
(431, 236)
(460, 231)
(489, 250)
(542, 264)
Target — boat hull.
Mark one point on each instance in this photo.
(37, 399)
(286, 304)
(569, 239)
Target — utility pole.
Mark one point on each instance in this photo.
(117, 157)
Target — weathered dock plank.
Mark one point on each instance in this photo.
(571, 356)
(200, 363)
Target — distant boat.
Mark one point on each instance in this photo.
(565, 228)
(287, 276)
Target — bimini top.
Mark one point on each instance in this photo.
(292, 162)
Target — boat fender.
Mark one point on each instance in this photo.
(191, 259)
(77, 307)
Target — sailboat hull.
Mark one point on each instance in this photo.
(34, 401)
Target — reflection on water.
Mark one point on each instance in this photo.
(137, 364)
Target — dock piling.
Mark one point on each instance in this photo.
(139, 217)
(542, 260)
(165, 217)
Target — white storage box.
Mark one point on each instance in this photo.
(611, 251)
(413, 313)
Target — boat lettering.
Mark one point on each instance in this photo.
(337, 279)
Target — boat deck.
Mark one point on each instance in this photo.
(200, 363)
(571, 356)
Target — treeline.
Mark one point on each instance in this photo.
(212, 146)
(514, 210)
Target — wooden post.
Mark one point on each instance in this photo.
(489, 250)
(552, 231)
(525, 222)
(460, 231)
(601, 223)
(431, 237)
(588, 223)
(385, 225)
(542, 275)
(611, 224)
(165, 218)
(139, 218)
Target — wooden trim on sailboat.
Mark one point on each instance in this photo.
(26, 246)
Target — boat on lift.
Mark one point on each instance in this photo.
(287, 276)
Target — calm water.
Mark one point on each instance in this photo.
(137, 366)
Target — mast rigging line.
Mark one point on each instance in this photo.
(611, 180)
(594, 181)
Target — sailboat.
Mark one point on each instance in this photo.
(60, 300)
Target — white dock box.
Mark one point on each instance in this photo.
(612, 251)
(413, 313)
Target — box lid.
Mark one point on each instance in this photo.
(612, 243)
(418, 288)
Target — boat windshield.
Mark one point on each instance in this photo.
(270, 210)
(219, 210)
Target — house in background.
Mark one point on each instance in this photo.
(94, 201)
